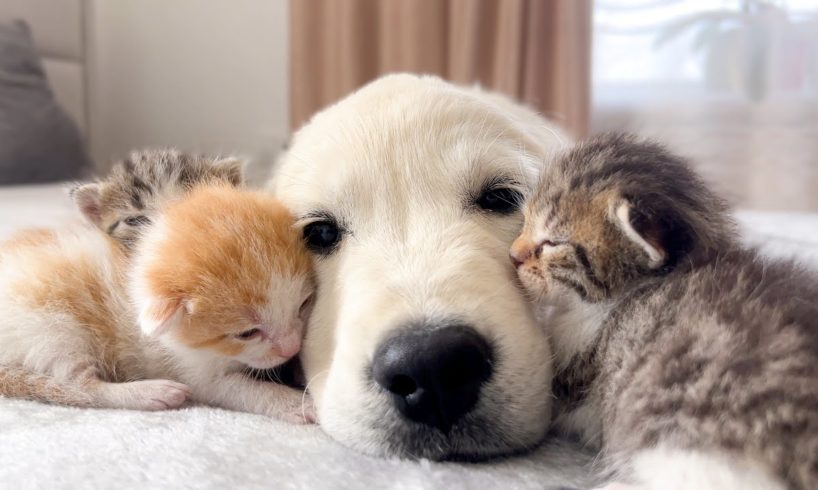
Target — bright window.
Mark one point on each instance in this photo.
(731, 83)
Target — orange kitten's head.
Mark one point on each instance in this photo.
(224, 271)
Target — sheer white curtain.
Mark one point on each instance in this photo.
(732, 83)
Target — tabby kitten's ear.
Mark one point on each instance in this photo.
(160, 315)
(641, 232)
(231, 169)
(659, 231)
(88, 199)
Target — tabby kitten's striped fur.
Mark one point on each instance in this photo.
(131, 196)
(691, 361)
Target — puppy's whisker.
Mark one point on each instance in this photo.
(305, 393)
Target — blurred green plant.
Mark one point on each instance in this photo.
(746, 49)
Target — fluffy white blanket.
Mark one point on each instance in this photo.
(57, 447)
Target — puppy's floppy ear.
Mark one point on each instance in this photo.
(230, 169)
(657, 229)
(160, 315)
(88, 198)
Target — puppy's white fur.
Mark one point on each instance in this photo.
(398, 165)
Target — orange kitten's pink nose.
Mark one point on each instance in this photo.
(289, 344)
(521, 250)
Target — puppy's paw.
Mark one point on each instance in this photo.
(158, 394)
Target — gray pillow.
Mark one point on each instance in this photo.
(38, 141)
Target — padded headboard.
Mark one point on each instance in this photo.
(58, 27)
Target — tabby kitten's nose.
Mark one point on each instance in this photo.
(521, 250)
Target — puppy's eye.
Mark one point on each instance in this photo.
(137, 220)
(248, 334)
(321, 237)
(501, 200)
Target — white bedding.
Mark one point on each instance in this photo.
(57, 447)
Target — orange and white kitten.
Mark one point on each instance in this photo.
(220, 282)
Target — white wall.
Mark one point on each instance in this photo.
(200, 75)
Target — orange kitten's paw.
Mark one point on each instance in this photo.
(301, 412)
(300, 417)
(617, 486)
(160, 394)
(308, 412)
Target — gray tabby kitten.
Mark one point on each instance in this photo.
(127, 199)
(690, 361)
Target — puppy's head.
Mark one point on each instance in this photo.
(420, 344)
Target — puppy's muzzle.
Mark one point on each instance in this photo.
(434, 374)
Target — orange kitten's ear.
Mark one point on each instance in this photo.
(88, 199)
(230, 169)
(641, 231)
(161, 315)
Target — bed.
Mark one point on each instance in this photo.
(45, 446)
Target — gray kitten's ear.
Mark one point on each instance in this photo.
(638, 228)
(230, 169)
(88, 199)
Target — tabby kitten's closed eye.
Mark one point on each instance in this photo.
(691, 361)
(128, 199)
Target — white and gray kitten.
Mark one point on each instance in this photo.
(131, 196)
(692, 362)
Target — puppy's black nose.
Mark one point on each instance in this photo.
(434, 374)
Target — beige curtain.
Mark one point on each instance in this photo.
(537, 51)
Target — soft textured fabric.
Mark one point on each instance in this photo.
(38, 141)
(535, 51)
(59, 447)
(45, 446)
